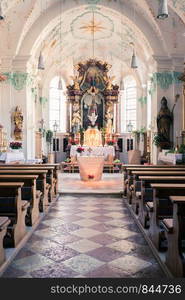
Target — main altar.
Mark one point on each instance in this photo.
(92, 100)
(92, 124)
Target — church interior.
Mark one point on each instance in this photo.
(92, 139)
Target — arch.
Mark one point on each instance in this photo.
(52, 18)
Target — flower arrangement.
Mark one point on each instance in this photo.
(15, 145)
(73, 142)
(111, 142)
(90, 176)
(80, 149)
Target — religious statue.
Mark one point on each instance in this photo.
(76, 82)
(109, 117)
(164, 120)
(92, 99)
(109, 82)
(76, 118)
(18, 122)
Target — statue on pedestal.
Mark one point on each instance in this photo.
(18, 122)
(164, 121)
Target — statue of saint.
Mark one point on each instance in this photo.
(92, 99)
(18, 122)
(164, 120)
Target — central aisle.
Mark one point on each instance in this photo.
(86, 236)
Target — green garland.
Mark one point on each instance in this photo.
(18, 79)
(43, 100)
(164, 80)
(143, 99)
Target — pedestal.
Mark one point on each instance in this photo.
(91, 168)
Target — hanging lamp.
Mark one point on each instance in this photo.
(163, 10)
(41, 62)
(134, 64)
(122, 86)
(41, 59)
(60, 85)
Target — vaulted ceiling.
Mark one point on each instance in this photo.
(64, 30)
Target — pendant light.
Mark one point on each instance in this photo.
(134, 64)
(1, 13)
(60, 85)
(41, 59)
(122, 86)
(41, 62)
(163, 10)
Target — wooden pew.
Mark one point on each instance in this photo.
(162, 207)
(133, 175)
(147, 193)
(49, 176)
(29, 193)
(175, 232)
(40, 184)
(4, 222)
(12, 206)
(55, 171)
(127, 174)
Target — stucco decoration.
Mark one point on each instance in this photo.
(18, 79)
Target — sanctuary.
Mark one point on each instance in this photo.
(92, 141)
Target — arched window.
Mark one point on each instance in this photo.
(129, 104)
(57, 106)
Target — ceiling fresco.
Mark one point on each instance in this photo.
(113, 31)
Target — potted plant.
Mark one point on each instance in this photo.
(49, 140)
(111, 142)
(161, 142)
(15, 145)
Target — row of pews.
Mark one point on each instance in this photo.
(26, 191)
(155, 195)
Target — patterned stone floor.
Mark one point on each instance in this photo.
(86, 236)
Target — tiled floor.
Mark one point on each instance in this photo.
(86, 236)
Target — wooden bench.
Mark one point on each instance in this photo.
(4, 222)
(162, 207)
(56, 169)
(146, 193)
(40, 184)
(29, 193)
(133, 175)
(175, 233)
(127, 171)
(49, 176)
(13, 207)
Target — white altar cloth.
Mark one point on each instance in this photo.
(170, 158)
(9, 157)
(96, 151)
(90, 167)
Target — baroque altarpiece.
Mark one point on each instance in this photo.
(93, 98)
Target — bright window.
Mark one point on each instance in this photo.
(57, 106)
(129, 104)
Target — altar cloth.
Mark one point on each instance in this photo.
(90, 167)
(94, 151)
(9, 157)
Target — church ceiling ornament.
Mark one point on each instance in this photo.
(83, 26)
